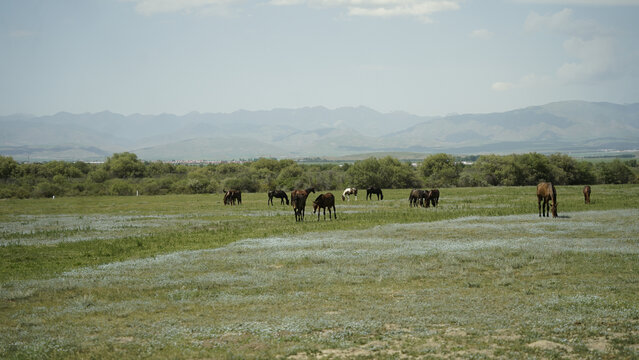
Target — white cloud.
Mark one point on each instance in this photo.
(381, 8)
(588, 44)
(596, 60)
(502, 86)
(562, 22)
(527, 81)
(481, 34)
(151, 7)
(583, 2)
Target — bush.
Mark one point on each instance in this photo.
(615, 172)
(121, 188)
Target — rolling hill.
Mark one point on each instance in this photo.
(318, 131)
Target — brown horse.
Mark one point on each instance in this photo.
(231, 196)
(299, 203)
(546, 192)
(322, 202)
(416, 198)
(587, 194)
(433, 198)
(298, 200)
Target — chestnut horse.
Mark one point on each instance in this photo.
(348, 192)
(322, 202)
(298, 200)
(546, 192)
(587, 194)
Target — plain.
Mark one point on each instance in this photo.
(183, 276)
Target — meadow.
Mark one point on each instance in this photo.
(183, 276)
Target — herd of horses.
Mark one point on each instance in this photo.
(546, 199)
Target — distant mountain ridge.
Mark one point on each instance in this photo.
(318, 131)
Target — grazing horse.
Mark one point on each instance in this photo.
(278, 194)
(416, 198)
(374, 190)
(322, 202)
(546, 192)
(433, 198)
(348, 192)
(587, 194)
(300, 205)
(230, 196)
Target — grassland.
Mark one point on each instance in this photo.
(481, 276)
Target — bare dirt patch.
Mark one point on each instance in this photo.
(549, 345)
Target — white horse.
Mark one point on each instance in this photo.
(348, 192)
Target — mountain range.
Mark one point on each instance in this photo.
(568, 126)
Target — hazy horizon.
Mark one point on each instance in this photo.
(307, 107)
(423, 57)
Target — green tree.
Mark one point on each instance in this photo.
(533, 168)
(440, 170)
(615, 172)
(291, 177)
(497, 170)
(365, 173)
(125, 165)
(8, 167)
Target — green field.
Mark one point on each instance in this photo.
(481, 276)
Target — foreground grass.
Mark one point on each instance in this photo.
(44, 237)
(481, 276)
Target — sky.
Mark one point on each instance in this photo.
(425, 57)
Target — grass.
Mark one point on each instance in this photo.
(481, 276)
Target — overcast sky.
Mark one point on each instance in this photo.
(427, 57)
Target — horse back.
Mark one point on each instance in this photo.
(546, 190)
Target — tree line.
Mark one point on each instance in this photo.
(125, 174)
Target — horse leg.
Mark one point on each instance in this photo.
(546, 207)
(539, 204)
(334, 212)
(329, 213)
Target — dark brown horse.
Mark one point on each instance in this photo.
(433, 198)
(374, 190)
(587, 194)
(546, 192)
(278, 194)
(231, 196)
(322, 202)
(416, 198)
(299, 203)
(298, 200)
